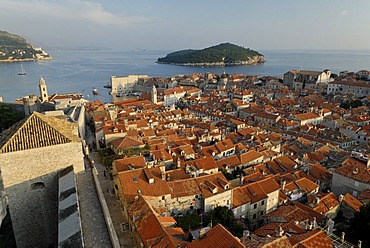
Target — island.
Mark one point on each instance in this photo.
(14, 48)
(223, 54)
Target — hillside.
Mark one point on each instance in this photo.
(16, 48)
(222, 54)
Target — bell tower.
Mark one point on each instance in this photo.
(43, 90)
(154, 95)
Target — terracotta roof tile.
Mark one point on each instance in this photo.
(126, 143)
(353, 202)
(218, 236)
(354, 169)
(38, 131)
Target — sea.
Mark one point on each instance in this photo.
(82, 70)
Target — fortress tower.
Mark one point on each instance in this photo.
(43, 90)
(154, 95)
(33, 154)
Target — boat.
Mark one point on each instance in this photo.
(108, 86)
(95, 92)
(22, 72)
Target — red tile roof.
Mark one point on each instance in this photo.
(126, 143)
(218, 236)
(354, 169)
(129, 163)
(353, 202)
(143, 216)
(250, 156)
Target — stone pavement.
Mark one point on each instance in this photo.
(94, 229)
(115, 209)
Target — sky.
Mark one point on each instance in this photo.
(190, 24)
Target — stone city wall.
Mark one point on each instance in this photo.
(31, 184)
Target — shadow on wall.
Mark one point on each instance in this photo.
(7, 238)
(33, 207)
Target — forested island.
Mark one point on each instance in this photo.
(15, 48)
(219, 55)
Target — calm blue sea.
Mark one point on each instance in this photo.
(83, 70)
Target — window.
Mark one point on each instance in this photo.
(254, 216)
(263, 203)
(255, 206)
(243, 208)
(163, 197)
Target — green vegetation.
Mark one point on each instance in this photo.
(223, 53)
(14, 47)
(225, 217)
(228, 175)
(352, 104)
(8, 116)
(191, 220)
(107, 156)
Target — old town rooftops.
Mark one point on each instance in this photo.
(355, 169)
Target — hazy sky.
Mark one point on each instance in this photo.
(174, 24)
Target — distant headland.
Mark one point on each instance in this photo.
(14, 48)
(219, 55)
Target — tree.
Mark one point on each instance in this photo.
(360, 227)
(190, 220)
(225, 217)
(352, 104)
(219, 215)
(228, 175)
(8, 116)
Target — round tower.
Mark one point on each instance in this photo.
(43, 90)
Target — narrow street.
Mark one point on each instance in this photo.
(115, 210)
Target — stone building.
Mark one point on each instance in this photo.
(32, 154)
(352, 177)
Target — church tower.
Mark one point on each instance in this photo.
(43, 90)
(154, 95)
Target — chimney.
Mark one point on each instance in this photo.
(178, 163)
(342, 237)
(314, 223)
(359, 244)
(340, 198)
(279, 231)
(368, 163)
(168, 177)
(283, 184)
(307, 224)
(246, 234)
(163, 176)
(316, 201)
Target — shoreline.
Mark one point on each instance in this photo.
(23, 60)
(218, 64)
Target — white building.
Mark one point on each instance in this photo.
(124, 84)
(357, 88)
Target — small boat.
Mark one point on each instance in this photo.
(22, 72)
(108, 86)
(95, 92)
